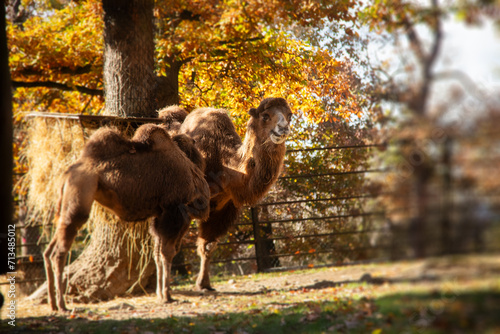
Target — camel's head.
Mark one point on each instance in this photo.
(272, 119)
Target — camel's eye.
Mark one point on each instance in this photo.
(265, 117)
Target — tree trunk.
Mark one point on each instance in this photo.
(118, 257)
(6, 163)
(167, 87)
(116, 261)
(129, 77)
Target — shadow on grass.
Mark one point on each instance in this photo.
(470, 312)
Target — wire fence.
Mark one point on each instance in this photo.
(394, 207)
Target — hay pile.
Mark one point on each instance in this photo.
(53, 145)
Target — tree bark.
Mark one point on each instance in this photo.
(167, 87)
(6, 163)
(129, 78)
(117, 260)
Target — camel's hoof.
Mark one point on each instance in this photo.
(169, 300)
(205, 288)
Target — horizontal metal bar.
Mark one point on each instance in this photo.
(31, 244)
(25, 263)
(234, 259)
(382, 170)
(243, 242)
(34, 225)
(321, 199)
(99, 118)
(28, 256)
(336, 147)
(322, 234)
(323, 218)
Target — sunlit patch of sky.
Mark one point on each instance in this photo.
(474, 50)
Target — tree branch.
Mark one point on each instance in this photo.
(414, 39)
(234, 41)
(438, 37)
(469, 84)
(64, 70)
(57, 85)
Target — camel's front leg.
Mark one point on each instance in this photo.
(210, 231)
(205, 250)
(167, 231)
(167, 255)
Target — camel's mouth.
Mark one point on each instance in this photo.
(277, 139)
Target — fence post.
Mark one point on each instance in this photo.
(257, 234)
(447, 183)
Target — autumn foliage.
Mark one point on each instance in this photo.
(230, 54)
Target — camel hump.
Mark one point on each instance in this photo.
(106, 143)
(207, 124)
(153, 136)
(172, 117)
(215, 135)
(173, 113)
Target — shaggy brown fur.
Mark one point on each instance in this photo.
(187, 145)
(148, 176)
(237, 172)
(172, 117)
(153, 137)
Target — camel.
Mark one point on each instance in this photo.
(147, 176)
(238, 172)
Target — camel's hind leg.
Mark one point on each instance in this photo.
(55, 257)
(217, 225)
(49, 271)
(159, 268)
(167, 232)
(76, 202)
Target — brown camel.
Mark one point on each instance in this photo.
(237, 172)
(148, 176)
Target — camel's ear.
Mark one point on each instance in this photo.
(253, 112)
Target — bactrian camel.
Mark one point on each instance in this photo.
(237, 172)
(147, 176)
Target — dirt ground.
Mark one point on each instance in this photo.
(277, 291)
(231, 292)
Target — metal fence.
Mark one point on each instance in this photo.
(397, 206)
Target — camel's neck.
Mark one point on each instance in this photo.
(260, 161)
